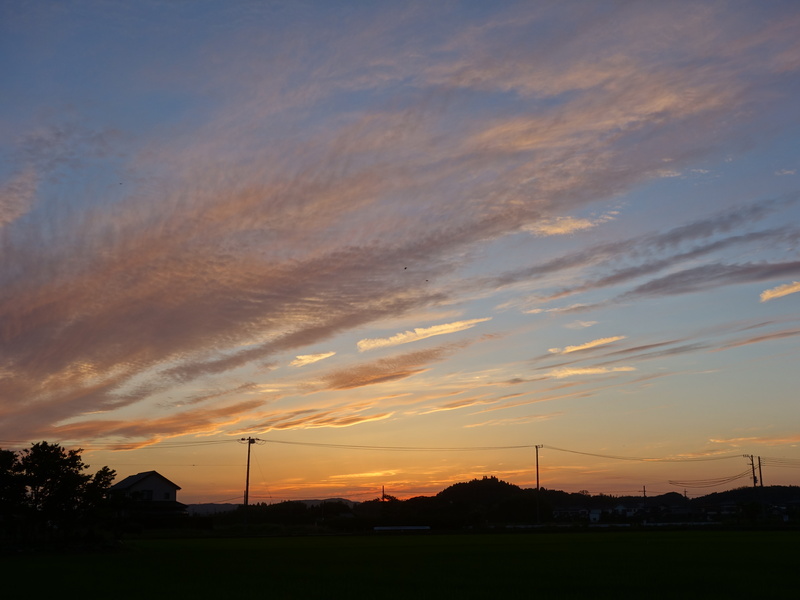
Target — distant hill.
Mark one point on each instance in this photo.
(772, 494)
(491, 491)
(490, 503)
(349, 503)
(488, 490)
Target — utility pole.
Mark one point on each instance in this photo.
(537, 465)
(249, 441)
(538, 517)
(753, 468)
(760, 475)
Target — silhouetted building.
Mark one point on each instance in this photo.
(148, 497)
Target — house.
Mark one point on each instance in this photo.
(148, 496)
(149, 486)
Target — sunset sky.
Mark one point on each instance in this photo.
(402, 243)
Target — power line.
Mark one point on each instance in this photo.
(787, 462)
(703, 483)
(516, 447)
(791, 463)
(401, 448)
(223, 500)
(646, 459)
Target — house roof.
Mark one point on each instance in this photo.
(132, 480)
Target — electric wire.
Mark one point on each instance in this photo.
(700, 483)
(791, 463)
(224, 500)
(703, 483)
(263, 477)
(261, 441)
(647, 459)
(401, 448)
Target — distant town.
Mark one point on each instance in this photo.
(484, 503)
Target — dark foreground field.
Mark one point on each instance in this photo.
(604, 564)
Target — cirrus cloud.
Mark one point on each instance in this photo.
(307, 359)
(567, 225)
(576, 371)
(587, 345)
(780, 291)
(419, 333)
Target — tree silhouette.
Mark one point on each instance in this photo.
(484, 492)
(12, 492)
(46, 492)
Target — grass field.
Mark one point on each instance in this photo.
(606, 564)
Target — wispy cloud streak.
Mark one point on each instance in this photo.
(307, 359)
(563, 372)
(780, 291)
(386, 369)
(420, 333)
(587, 345)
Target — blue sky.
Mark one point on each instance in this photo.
(400, 225)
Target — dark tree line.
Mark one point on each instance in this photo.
(474, 504)
(490, 503)
(46, 495)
